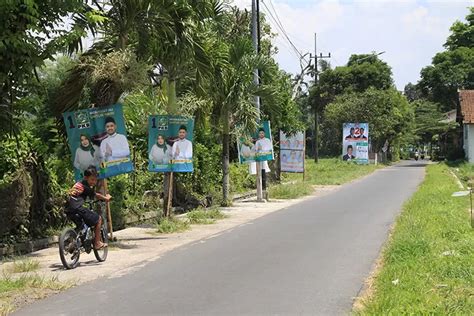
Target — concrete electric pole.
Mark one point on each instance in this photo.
(256, 78)
(316, 114)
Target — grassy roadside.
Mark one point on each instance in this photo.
(196, 217)
(329, 171)
(463, 170)
(15, 291)
(18, 284)
(427, 266)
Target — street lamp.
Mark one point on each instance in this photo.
(370, 55)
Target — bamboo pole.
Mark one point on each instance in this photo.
(304, 156)
(107, 208)
(170, 195)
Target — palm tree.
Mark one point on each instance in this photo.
(166, 36)
(233, 90)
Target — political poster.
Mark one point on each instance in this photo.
(97, 137)
(256, 147)
(355, 140)
(292, 152)
(170, 143)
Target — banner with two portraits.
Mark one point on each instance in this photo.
(170, 143)
(355, 140)
(97, 137)
(292, 152)
(256, 147)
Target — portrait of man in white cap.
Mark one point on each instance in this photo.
(114, 146)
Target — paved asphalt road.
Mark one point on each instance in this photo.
(311, 258)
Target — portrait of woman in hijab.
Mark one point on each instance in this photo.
(87, 154)
(160, 153)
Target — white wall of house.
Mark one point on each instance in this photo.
(469, 142)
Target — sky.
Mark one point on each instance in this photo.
(410, 32)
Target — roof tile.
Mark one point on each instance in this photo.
(466, 98)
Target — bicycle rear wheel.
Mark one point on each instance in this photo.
(101, 254)
(69, 251)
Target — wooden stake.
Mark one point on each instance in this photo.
(170, 195)
(109, 215)
(304, 156)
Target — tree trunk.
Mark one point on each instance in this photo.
(166, 188)
(225, 160)
(122, 41)
(316, 136)
(172, 107)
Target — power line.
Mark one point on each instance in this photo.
(276, 14)
(281, 25)
(285, 33)
(282, 29)
(293, 36)
(285, 43)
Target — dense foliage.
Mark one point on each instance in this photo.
(436, 92)
(190, 57)
(453, 68)
(387, 111)
(361, 91)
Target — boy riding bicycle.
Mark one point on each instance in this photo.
(77, 197)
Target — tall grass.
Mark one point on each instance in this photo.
(328, 171)
(171, 225)
(13, 289)
(203, 216)
(24, 265)
(464, 170)
(427, 266)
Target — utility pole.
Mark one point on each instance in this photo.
(256, 45)
(316, 114)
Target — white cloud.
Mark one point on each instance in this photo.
(410, 31)
(419, 21)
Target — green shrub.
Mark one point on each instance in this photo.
(124, 202)
(240, 179)
(14, 151)
(171, 225)
(290, 190)
(202, 216)
(207, 173)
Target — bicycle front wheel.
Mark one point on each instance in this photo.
(69, 251)
(101, 254)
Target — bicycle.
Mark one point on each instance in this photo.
(73, 241)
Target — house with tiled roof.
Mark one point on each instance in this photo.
(466, 102)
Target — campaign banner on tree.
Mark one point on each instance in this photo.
(355, 140)
(97, 137)
(170, 147)
(292, 152)
(257, 147)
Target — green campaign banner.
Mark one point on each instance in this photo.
(170, 147)
(257, 147)
(97, 137)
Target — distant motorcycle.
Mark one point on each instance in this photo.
(417, 155)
